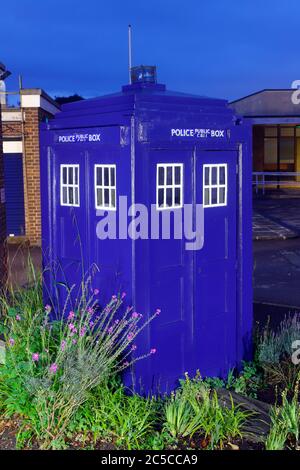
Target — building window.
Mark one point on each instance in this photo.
(279, 148)
(215, 185)
(169, 186)
(105, 187)
(69, 185)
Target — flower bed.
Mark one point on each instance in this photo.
(60, 385)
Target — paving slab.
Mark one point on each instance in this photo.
(276, 272)
(276, 219)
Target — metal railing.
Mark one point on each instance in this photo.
(274, 179)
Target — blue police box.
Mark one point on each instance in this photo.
(181, 158)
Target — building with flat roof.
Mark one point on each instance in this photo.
(22, 162)
(275, 116)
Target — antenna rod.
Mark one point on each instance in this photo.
(129, 52)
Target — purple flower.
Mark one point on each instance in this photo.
(123, 295)
(91, 324)
(63, 345)
(53, 368)
(130, 336)
(35, 357)
(74, 341)
(135, 315)
(71, 326)
(90, 310)
(126, 364)
(114, 298)
(71, 315)
(96, 291)
(133, 347)
(11, 341)
(82, 331)
(158, 310)
(47, 308)
(152, 351)
(110, 330)
(18, 318)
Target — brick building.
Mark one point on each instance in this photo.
(3, 254)
(22, 162)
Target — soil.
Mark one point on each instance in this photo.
(8, 430)
(258, 427)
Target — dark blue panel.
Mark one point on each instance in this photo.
(14, 192)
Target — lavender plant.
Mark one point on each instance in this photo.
(56, 363)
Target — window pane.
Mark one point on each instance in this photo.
(271, 131)
(207, 176)
(169, 175)
(71, 198)
(106, 197)
(214, 196)
(70, 175)
(169, 197)
(206, 197)
(99, 198)
(64, 178)
(287, 131)
(177, 196)
(214, 175)
(177, 174)
(65, 196)
(287, 150)
(270, 152)
(76, 175)
(76, 196)
(106, 176)
(113, 198)
(161, 173)
(160, 197)
(112, 176)
(221, 195)
(222, 175)
(99, 176)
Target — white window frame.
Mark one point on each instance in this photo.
(102, 187)
(166, 186)
(68, 185)
(218, 185)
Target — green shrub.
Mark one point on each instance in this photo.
(195, 408)
(127, 420)
(285, 422)
(274, 352)
(52, 365)
(247, 382)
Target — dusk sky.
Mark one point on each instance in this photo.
(221, 48)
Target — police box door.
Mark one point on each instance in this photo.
(70, 230)
(216, 262)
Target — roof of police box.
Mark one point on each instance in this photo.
(132, 94)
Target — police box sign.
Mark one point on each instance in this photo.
(78, 138)
(199, 133)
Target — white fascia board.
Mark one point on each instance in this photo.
(11, 146)
(11, 116)
(38, 101)
(47, 106)
(30, 101)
